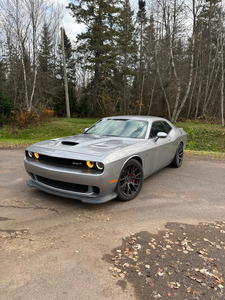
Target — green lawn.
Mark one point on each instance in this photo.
(202, 138)
(57, 128)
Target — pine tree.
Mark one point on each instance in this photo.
(127, 46)
(46, 81)
(13, 85)
(97, 43)
(45, 53)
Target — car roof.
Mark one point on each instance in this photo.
(144, 118)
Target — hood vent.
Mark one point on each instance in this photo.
(69, 143)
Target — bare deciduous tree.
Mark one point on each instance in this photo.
(171, 15)
(22, 23)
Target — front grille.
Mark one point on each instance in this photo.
(61, 161)
(80, 188)
(58, 161)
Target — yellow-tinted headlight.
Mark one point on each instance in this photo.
(36, 155)
(89, 164)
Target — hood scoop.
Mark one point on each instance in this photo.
(69, 143)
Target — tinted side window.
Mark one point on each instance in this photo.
(167, 127)
(157, 126)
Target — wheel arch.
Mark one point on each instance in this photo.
(178, 142)
(136, 157)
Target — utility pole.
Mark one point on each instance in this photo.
(222, 66)
(65, 76)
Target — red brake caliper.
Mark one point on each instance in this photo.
(133, 180)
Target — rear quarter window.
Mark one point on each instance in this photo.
(167, 127)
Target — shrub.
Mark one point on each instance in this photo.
(22, 118)
(46, 113)
(208, 120)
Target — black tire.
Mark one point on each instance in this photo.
(130, 181)
(178, 158)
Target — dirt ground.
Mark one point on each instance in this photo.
(167, 243)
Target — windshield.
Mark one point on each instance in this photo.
(119, 127)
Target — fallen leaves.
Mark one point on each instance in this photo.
(175, 285)
(181, 261)
(122, 275)
(218, 281)
(113, 276)
(126, 265)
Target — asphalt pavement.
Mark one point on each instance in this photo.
(167, 243)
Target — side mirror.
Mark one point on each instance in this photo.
(86, 129)
(160, 135)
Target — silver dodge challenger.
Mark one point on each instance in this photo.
(110, 159)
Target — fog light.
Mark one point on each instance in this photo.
(36, 155)
(89, 164)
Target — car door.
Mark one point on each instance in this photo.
(171, 146)
(159, 150)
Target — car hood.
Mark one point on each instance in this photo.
(83, 144)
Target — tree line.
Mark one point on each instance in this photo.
(164, 57)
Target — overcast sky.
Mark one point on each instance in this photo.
(72, 28)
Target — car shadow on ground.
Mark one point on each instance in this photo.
(62, 203)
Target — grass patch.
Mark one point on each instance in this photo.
(204, 137)
(57, 128)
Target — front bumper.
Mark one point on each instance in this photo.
(83, 185)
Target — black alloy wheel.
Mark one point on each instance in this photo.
(178, 158)
(130, 181)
